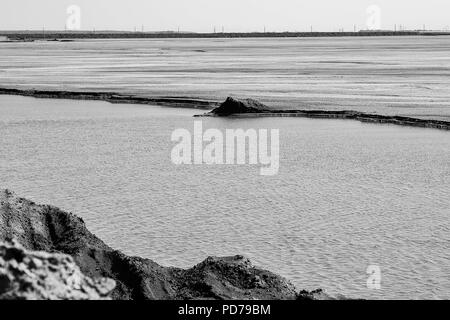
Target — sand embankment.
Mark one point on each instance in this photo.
(49, 229)
(231, 107)
(249, 108)
(178, 102)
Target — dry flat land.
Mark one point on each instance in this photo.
(406, 76)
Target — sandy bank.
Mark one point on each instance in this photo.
(249, 108)
(49, 229)
(237, 108)
(177, 102)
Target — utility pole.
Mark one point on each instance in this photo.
(311, 29)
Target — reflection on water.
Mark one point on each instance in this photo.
(348, 195)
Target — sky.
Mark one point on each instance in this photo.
(232, 15)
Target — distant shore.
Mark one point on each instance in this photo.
(54, 35)
(201, 104)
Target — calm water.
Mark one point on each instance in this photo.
(347, 195)
(390, 75)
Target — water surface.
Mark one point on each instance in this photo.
(348, 194)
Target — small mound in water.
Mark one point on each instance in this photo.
(236, 106)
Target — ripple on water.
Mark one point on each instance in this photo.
(348, 195)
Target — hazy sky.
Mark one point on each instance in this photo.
(233, 15)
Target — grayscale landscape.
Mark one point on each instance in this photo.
(92, 190)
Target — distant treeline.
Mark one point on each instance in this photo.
(39, 35)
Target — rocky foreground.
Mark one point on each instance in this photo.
(56, 257)
(40, 275)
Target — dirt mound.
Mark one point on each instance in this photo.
(232, 278)
(236, 106)
(40, 227)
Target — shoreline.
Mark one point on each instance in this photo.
(345, 115)
(58, 35)
(113, 97)
(203, 104)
